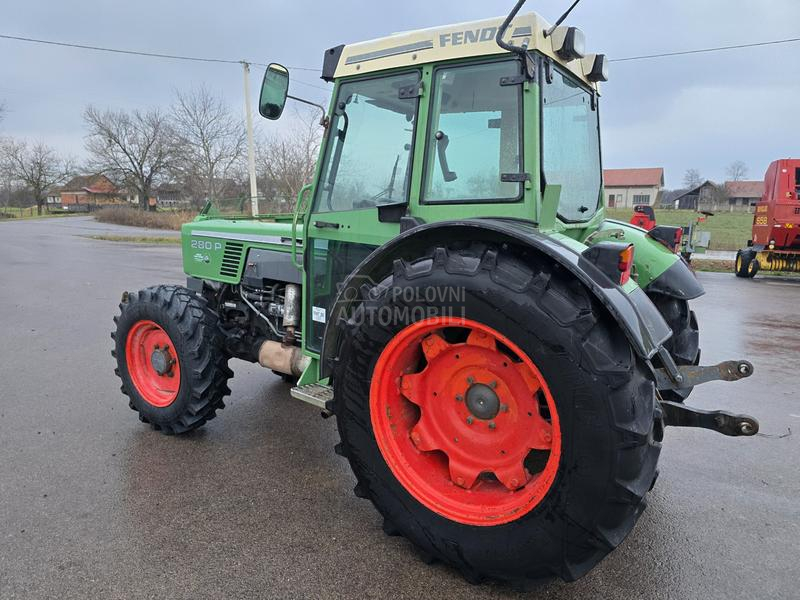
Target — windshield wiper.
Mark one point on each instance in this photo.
(388, 190)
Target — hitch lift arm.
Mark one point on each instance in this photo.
(673, 377)
(680, 415)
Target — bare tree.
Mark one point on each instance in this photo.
(736, 171)
(35, 166)
(692, 179)
(3, 111)
(286, 162)
(131, 147)
(209, 143)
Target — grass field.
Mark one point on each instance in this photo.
(121, 215)
(729, 231)
(134, 239)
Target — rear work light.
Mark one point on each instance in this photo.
(669, 236)
(614, 259)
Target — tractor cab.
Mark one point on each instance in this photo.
(444, 124)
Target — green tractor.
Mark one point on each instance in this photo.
(501, 359)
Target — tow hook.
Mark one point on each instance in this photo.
(680, 415)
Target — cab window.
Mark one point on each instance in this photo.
(571, 145)
(474, 136)
(368, 154)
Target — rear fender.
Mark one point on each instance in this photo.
(637, 316)
(659, 270)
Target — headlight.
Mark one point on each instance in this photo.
(568, 43)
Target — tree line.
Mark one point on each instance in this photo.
(196, 144)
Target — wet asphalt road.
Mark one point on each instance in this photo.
(94, 504)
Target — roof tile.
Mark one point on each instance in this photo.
(633, 177)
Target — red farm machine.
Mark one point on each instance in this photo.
(775, 243)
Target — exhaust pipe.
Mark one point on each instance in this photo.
(284, 359)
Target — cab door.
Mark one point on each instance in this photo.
(366, 163)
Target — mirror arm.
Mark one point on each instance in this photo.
(324, 121)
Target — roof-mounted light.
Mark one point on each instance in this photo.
(595, 67)
(568, 43)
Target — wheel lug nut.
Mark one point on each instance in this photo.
(470, 380)
(492, 384)
(548, 437)
(504, 407)
(415, 438)
(492, 425)
(514, 483)
(460, 481)
(470, 420)
(459, 398)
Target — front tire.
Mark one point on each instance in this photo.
(170, 358)
(582, 489)
(746, 265)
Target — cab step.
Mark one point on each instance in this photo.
(318, 394)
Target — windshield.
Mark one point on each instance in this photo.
(368, 155)
(474, 137)
(571, 146)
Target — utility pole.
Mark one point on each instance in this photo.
(251, 152)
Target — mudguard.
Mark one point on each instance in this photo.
(660, 270)
(677, 281)
(637, 316)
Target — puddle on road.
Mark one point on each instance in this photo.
(774, 333)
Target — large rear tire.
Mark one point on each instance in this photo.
(491, 321)
(170, 358)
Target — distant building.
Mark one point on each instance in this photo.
(668, 198)
(54, 198)
(707, 196)
(89, 190)
(743, 195)
(170, 196)
(626, 188)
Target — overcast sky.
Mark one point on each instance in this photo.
(701, 111)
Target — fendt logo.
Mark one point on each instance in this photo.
(469, 36)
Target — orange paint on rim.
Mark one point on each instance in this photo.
(467, 426)
(153, 364)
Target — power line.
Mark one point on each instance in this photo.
(704, 50)
(160, 55)
(226, 61)
(140, 53)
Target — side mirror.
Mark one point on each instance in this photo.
(274, 90)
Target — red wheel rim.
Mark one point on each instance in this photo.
(468, 426)
(153, 364)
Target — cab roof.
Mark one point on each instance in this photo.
(461, 40)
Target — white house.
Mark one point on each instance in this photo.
(626, 188)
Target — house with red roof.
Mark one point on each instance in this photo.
(626, 188)
(743, 195)
(89, 190)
